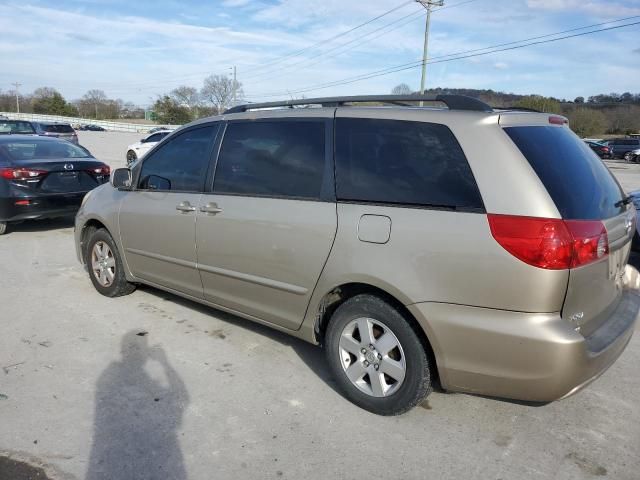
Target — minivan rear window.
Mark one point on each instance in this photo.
(57, 128)
(404, 163)
(579, 183)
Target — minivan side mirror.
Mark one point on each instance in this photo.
(121, 178)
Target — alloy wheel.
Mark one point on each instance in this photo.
(103, 264)
(372, 357)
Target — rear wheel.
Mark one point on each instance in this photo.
(105, 265)
(3, 228)
(628, 156)
(376, 356)
(131, 157)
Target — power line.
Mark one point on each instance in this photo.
(314, 61)
(420, 13)
(458, 56)
(330, 39)
(297, 52)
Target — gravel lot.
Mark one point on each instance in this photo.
(215, 396)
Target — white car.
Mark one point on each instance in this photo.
(139, 149)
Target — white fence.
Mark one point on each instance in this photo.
(113, 126)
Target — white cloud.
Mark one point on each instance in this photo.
(500, 66)
(594, 7)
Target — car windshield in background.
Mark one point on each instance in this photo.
(15, 127)
(579, 184)
(40, 149)
(57, 128)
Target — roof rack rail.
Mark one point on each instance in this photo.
(453, 102)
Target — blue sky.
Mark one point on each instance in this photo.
(136, 50)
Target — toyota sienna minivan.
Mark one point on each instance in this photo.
(483, 250)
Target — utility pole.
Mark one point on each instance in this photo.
(17, 85)
(235, 85)
(428, 5)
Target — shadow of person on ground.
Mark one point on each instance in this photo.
(137, 417)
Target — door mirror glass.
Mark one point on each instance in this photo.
(121, 178)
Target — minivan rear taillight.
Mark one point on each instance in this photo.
(550, 243)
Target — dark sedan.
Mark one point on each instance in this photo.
(44, 177)
(602, 150)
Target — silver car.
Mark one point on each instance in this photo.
(483, 250)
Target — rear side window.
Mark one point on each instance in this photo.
(58, 128)
(272, 158)
(181, 163)
(578, 182)
(402, 162)
(13, 126)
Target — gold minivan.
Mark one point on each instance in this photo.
(485, 250)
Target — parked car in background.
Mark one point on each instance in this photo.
(160, 129)
(139, 149)
(63, 131)
(622, 146)
(44, 177)
(385, 235)
(12, 127)
(633, 156)
(602, 150)
(92, 128)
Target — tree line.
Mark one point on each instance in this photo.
(604, 114)
(181, 105)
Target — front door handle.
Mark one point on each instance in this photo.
(210, 208)
(185, 207)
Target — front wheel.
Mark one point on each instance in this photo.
(131, 157)
(105, 265)
(376, 356)
(3, 228)
(628, 156)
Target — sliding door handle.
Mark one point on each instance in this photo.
(210, 208)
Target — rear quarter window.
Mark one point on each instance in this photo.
(580, 185)
(402, 163)
(58, 128)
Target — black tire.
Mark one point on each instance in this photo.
(3, 228)
(417, 380)
(120, 285)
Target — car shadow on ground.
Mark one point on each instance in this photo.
(41, 225)
(311, 355)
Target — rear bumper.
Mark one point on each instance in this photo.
(45, 206)
(524, 356)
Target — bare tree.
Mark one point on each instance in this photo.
(218, 90)
(188, 96)
(402, 89)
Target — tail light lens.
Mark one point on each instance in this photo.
(21, 173)
(551, 243)
(103, 170)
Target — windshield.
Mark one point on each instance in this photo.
(579, 183)
(15, 126)
(28, 149)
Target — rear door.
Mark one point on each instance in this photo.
(265, 231)
(158, 218)
(582, 188)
